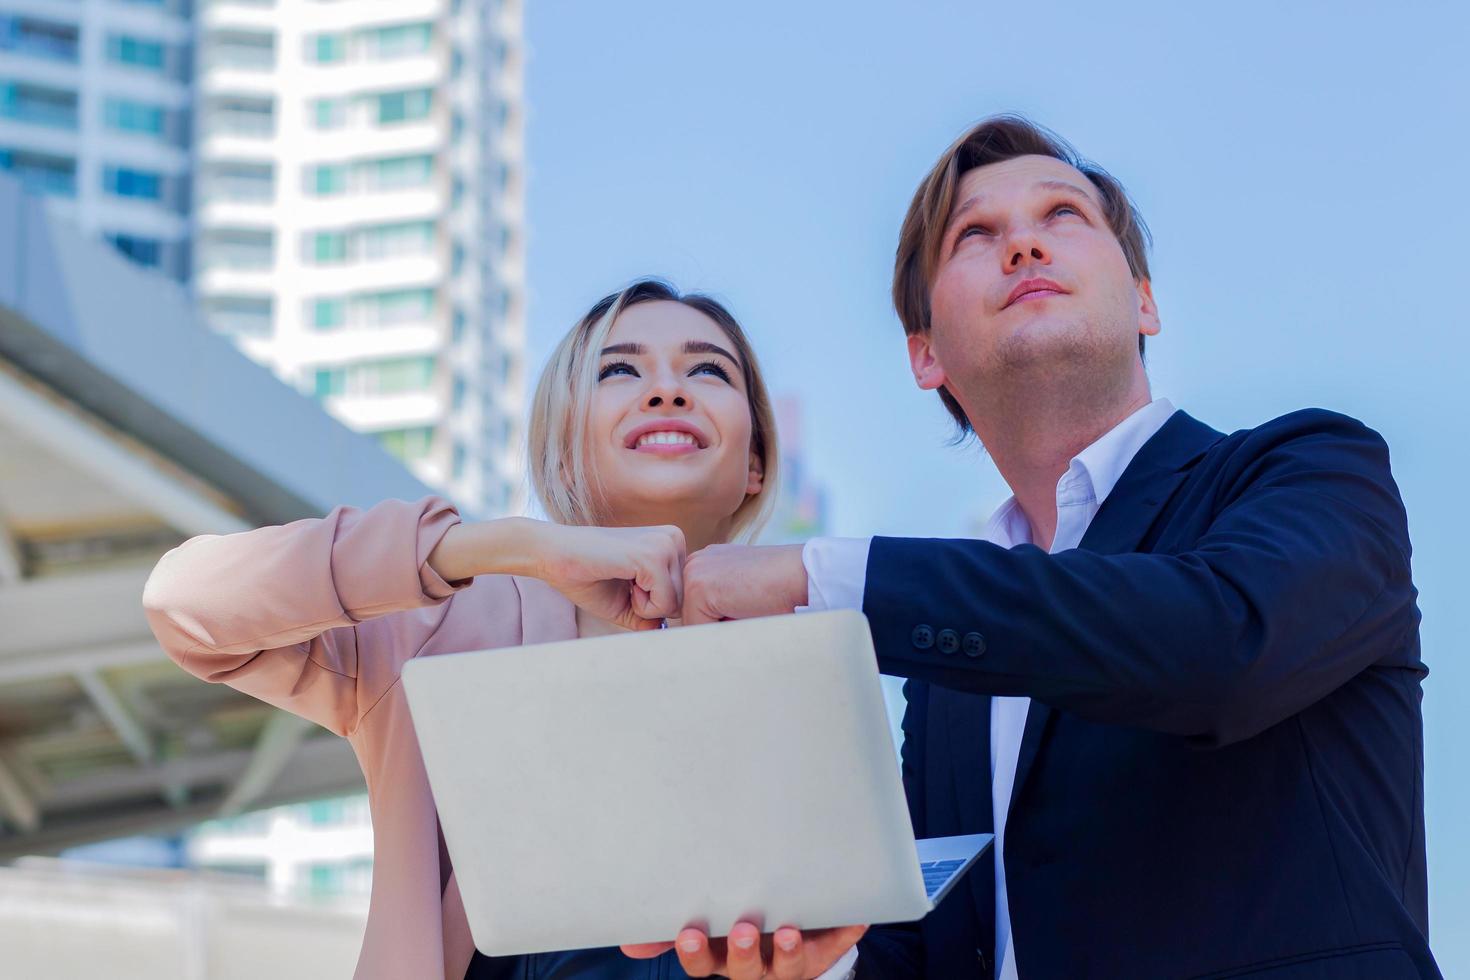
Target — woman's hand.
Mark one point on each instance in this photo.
(631, 576)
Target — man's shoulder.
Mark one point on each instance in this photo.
(1301, 431)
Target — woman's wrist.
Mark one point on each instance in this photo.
(506, 546)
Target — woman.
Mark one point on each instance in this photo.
(651, 436)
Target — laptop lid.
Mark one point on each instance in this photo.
(617, 789)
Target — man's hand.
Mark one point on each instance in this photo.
(788, 954)
(733, 581)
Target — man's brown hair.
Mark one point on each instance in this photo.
(993, 140)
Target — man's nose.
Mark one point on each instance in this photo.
(1025, 245)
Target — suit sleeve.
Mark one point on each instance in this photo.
(1300, 581)
(280, 612)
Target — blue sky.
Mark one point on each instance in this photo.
(1302, 171)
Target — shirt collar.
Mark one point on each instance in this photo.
(1091, 474)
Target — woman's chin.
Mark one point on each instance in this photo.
(670, 497)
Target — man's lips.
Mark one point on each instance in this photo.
(1029, 289)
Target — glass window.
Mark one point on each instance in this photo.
(241, 115)
(326, 48)
(37, 38)
(390, 173)
(123, 49)
(40, 172)
(127, 182)
(239, 248)
(39, 104)
(330, 382)
(127, 116)
(397, 107)
(397, 306)
(408, 444)
(144, 251)
(329, 113)
(241, 181)
(399, 238)
(327, 247)
(399, 40)
(325, 179)
(404, 374)
(240, 314)
(245, 50)
(329, 312)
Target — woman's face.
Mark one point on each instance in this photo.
(670, 422)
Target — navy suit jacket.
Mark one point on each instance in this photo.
(1222, 769)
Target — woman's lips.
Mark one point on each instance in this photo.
(667, 443)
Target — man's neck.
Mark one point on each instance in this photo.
(1033, 441)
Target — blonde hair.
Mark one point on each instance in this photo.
(569, 491)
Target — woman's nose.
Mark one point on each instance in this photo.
(666, 390)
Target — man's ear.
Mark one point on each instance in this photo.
(928, 374)
(1148, 310)
(755, 480)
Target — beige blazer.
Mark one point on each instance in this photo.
(318, 617)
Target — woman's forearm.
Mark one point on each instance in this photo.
(507, 546)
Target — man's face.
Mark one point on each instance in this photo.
(1030, 283)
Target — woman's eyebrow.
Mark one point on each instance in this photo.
(633, 349)
(705, 347)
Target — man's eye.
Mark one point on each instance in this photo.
(616, 367)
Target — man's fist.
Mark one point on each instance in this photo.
(732, 581)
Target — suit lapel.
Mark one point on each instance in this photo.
(1149, 480)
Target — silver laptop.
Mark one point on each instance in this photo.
(620, 788)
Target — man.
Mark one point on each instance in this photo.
(1179, 680)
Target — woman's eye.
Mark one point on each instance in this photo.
(710, 367)
(1065, 207)
(616, 367)
(978, 229)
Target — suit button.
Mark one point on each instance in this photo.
(923, 637)
(974, 645)
(948, 641)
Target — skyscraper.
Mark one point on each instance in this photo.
(340, 182)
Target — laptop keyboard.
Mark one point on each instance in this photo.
(936, 873)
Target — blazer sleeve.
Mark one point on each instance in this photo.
(1299, 582)
(897, 951)
(279, 612)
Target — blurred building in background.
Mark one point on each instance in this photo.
(801, 503)
(338, 184)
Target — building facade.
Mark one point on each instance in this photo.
(339, 183)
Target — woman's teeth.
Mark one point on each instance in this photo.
(666, 439)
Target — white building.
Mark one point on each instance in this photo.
(339, 182)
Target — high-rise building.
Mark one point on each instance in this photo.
(339, 182)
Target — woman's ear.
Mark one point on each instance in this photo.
(756, 477)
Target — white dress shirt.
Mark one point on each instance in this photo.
(836, 577)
